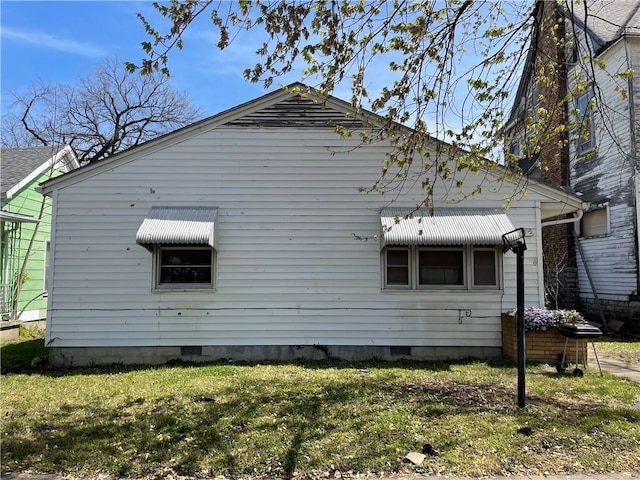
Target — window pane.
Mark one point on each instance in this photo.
(397, 267)
(484, 267)
(441, 267)
(185, 266)
(582, 105)
(585, 132)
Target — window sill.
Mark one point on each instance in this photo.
(593, 237)
(183, 290)
(445, 290)
(586, 153)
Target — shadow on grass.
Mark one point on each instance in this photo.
(276, 427)
(19, 356)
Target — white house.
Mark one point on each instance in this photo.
(236, 238)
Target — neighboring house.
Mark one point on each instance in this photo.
(597, 69)
(236, 238)
(25, 212)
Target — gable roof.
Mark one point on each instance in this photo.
(300, 112)
(296, 105)
(299, 106)
(606, 20)
(19, 166)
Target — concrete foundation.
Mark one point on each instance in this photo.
(87, 356)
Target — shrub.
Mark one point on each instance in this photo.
(542, 318)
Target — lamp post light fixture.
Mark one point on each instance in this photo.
(514, 241)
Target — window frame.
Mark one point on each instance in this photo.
(386, 268)
(468, 268)
(164, 286)
(496, 267)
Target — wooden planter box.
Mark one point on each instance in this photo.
(541, 346)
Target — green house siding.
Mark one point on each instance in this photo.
(29, 202)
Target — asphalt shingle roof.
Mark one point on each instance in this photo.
(17, 163)
(609, 19)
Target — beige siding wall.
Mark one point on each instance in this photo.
(289, 271)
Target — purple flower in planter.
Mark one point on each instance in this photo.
(541, 319)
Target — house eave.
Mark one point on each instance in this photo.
(64, 158)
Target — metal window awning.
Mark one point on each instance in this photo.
(178, 226)
(443, 226)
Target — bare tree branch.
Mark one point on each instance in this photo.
(106, 112)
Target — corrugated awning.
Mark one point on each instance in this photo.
(445, 226)
(178, 226)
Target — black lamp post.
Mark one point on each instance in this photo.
(515, 242)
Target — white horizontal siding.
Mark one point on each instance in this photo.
(289, 270)
(612, 259)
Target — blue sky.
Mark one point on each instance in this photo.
(58, 42)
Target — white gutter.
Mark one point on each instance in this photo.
(575, 219)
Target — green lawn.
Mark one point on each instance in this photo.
(620, 349)
(313, 418)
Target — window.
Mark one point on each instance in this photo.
(515, 148)
(595, 223)
(398, 267)
(184, 267)
(457, 267)
(573, 57)
(182, 240)
(585, 140)
(441, 267)
(484, 267)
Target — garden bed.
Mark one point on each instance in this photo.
(540, 345)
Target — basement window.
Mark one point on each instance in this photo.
(190, 351)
